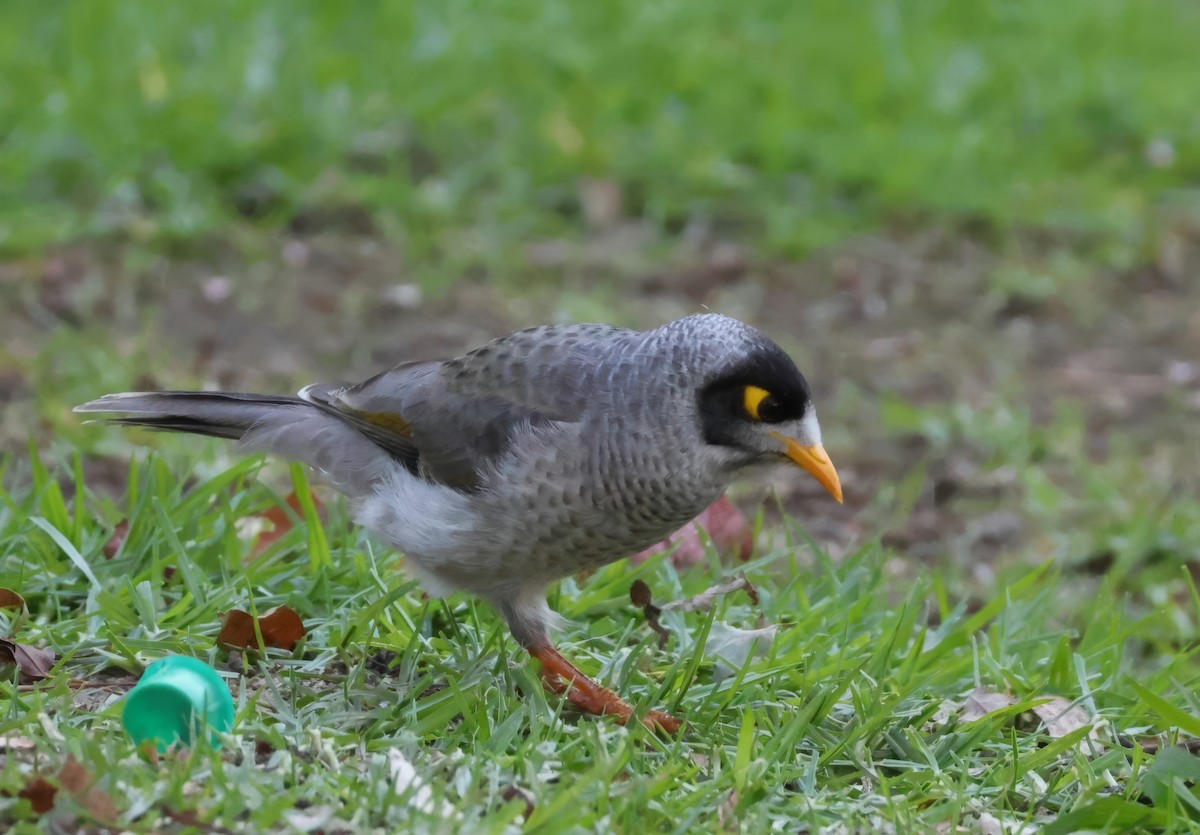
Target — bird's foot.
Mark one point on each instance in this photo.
(564, 678)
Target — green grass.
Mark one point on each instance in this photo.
(852, 716)
(462, 130)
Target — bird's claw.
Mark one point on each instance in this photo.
(565, 679)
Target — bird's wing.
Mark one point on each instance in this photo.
(450, 421)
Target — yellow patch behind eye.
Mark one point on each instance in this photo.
(752, 398)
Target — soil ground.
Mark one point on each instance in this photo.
(941, 368)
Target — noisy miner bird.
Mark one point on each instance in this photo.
(546, 452)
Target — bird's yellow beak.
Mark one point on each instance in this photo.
(816, 461)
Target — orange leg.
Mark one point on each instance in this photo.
(564, 678)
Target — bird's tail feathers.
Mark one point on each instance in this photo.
(218, 414)
(286, 426)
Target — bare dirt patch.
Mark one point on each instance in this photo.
(933, 321)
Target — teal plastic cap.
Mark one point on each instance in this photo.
(174, 701)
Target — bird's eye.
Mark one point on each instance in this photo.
(761, 405)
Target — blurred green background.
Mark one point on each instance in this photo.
(975, 225)
(794, 124)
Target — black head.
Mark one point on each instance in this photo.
(759, 408)
(764, 389)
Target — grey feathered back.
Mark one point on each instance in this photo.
(450, 421)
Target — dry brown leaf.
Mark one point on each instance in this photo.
(640, 594)
(40, 793)
(185, 817)
(983, 701)
(80, 784)
(34, 663)
(117, 541)
(9, 599)
(190, 817)
(1061, 717)
(704, 600)
(281, 628)
(17, 743)
(514, 792)
(281, 520)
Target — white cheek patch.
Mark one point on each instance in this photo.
(810, 430)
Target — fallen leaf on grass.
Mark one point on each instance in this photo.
(16, 743)
(983, 701)
(190, 817)
(640, 594)
(40, 793)
(946, 711)
(1061, 717)
(9, 599)
(117, 541)
(703, 601)
(513, 792)
(35, 664)
(281, 628)
(726, 526)
(733, 647)
(80, 784)
(282, 521)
